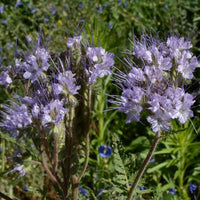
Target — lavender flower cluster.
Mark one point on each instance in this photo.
(49, 84)
(155, 82)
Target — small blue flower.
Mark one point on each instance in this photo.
(4, 21)
(165, 6)
(18, 3)
(25, 189)
(65, 7)
(33, 10)
(46, 19)
(100, 192)
(83, 191)
(99, 9)
(53, 10)
(9, 44)
(172, 191)
(20, 169)
(143, 188)
(105, 5)
(1, 150)
(29, 39)
(2, 9)
(105, 151)
(125, 5)
(80, 5)
(192, 188)
(110, 26)
(152, 160)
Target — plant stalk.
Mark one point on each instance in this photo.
(69, 150)
(87, 149)
(100, 115)
(3, 154)
(144, 166)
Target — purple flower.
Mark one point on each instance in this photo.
(54, 112)
(129, 103)
(20, 169)
(4, 21)
(29, 39)
(18, 3)
(125, 5)
(80, 5)
(5, 79)
(74, 42)
(2, 8)
(110, 26)
(33, 10)
(166, 6)
(152, 160)
(99, 9)
(105, 151)
(46, 19)
(156, 83)
(15, 117)
(100, 192)
(102, 63)
(25, 189)
(53, 10)
(36, 64)
(83, 191)
(66, 83)
(141, 52)
(172, 191)
(142, 188)
(1, 150)
(192, 188)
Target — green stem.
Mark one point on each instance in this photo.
(3, 154)
(69, 148)
(144, 166)
(100, 110)
(182, 169)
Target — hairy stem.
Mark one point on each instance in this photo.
(44, 142)
(100, 115)
(69, 148)
(55, 154)
(3, 154)
(87, 149)
(54, 178)
(144, 166)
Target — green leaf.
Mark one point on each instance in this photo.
(157, 167)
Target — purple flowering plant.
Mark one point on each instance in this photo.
(155, 84)
(55, 103)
